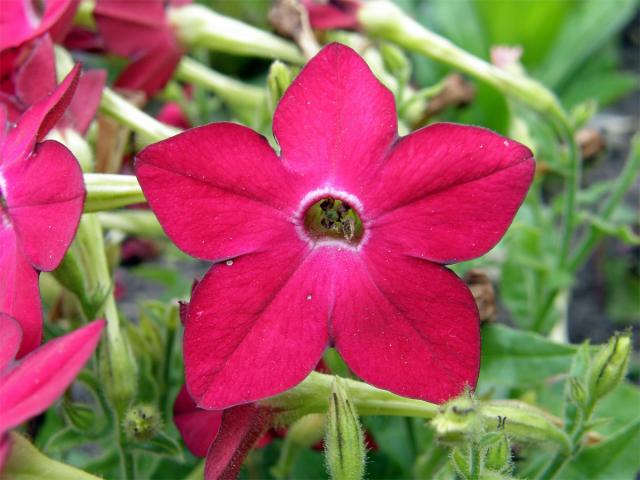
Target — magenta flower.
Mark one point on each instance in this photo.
(339, 241)
(34, 77)
(140, 31)
(22, 22)
(41, 198)
(29, 386)
(333, 14)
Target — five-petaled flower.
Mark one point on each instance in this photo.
(41, 197)
(338, 241)
(29, 386)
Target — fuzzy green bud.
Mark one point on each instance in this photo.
(278, 80)
(396, 62)
(460, 461)
(142, 422)
(609, 366)
(457, 420)
(498, 455)
(344, 442)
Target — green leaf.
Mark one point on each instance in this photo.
(26, 462)
(620, 407)
(517, 358)
(621, 232)
(592, 25)
(616, 458)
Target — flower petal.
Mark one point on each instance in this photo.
(41, 117)
(36, 76)
(336, 14)
(44, 196)
(198, 427)
(33, 384)
(130, 28)
(218, 190)
(19, 22)
(9, 340)
(85, 102)
(19, 295)
(461, 187)
(257, 327)
(336, 120)
(241, 427)
(151, 72)
(406, 325)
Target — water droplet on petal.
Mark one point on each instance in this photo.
(309, 297)
(229, 263)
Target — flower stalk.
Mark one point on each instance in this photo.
(234, 92)
(383, 19)
(199, 26)
(149, 129)
(106, 191)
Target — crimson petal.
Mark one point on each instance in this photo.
(36, 122)
(36, 76)
(9, 340)
(336, 120)
(241, 427)
(257, 327)
(44, 196)
(33, 384)
(218, 190)
(19, 295)
(85, 102)
(198, 427)
(406, 325)
(461, 188)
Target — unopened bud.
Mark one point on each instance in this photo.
(344, 442)
(278, 80)
(396, 62)
(457, 420)
(498, 451)
(610, 365)
(577, 392)
(142, 422)
(118, 370)
(81, 417)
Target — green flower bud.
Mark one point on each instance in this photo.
(278, 80)
(344, 442)
(142, 422)
(396, 62)
(457, 420)
(498, 451)
(610, 365)
(81, 417)
(119, 371)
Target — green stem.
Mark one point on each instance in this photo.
(199, 26)
(620, 188)
(149, 129)
(107, 191)
(313, 394)
(236, 93)
(383, 19)
(572, 187)
(132, 222)
(475, 466)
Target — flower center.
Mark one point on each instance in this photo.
(335, 219)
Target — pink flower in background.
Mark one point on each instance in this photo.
(41, 197)
(22, 21)
(340, 241)
(29, 386)
(35, 77)
(333, 14)
(198, 427)
(140, 31)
